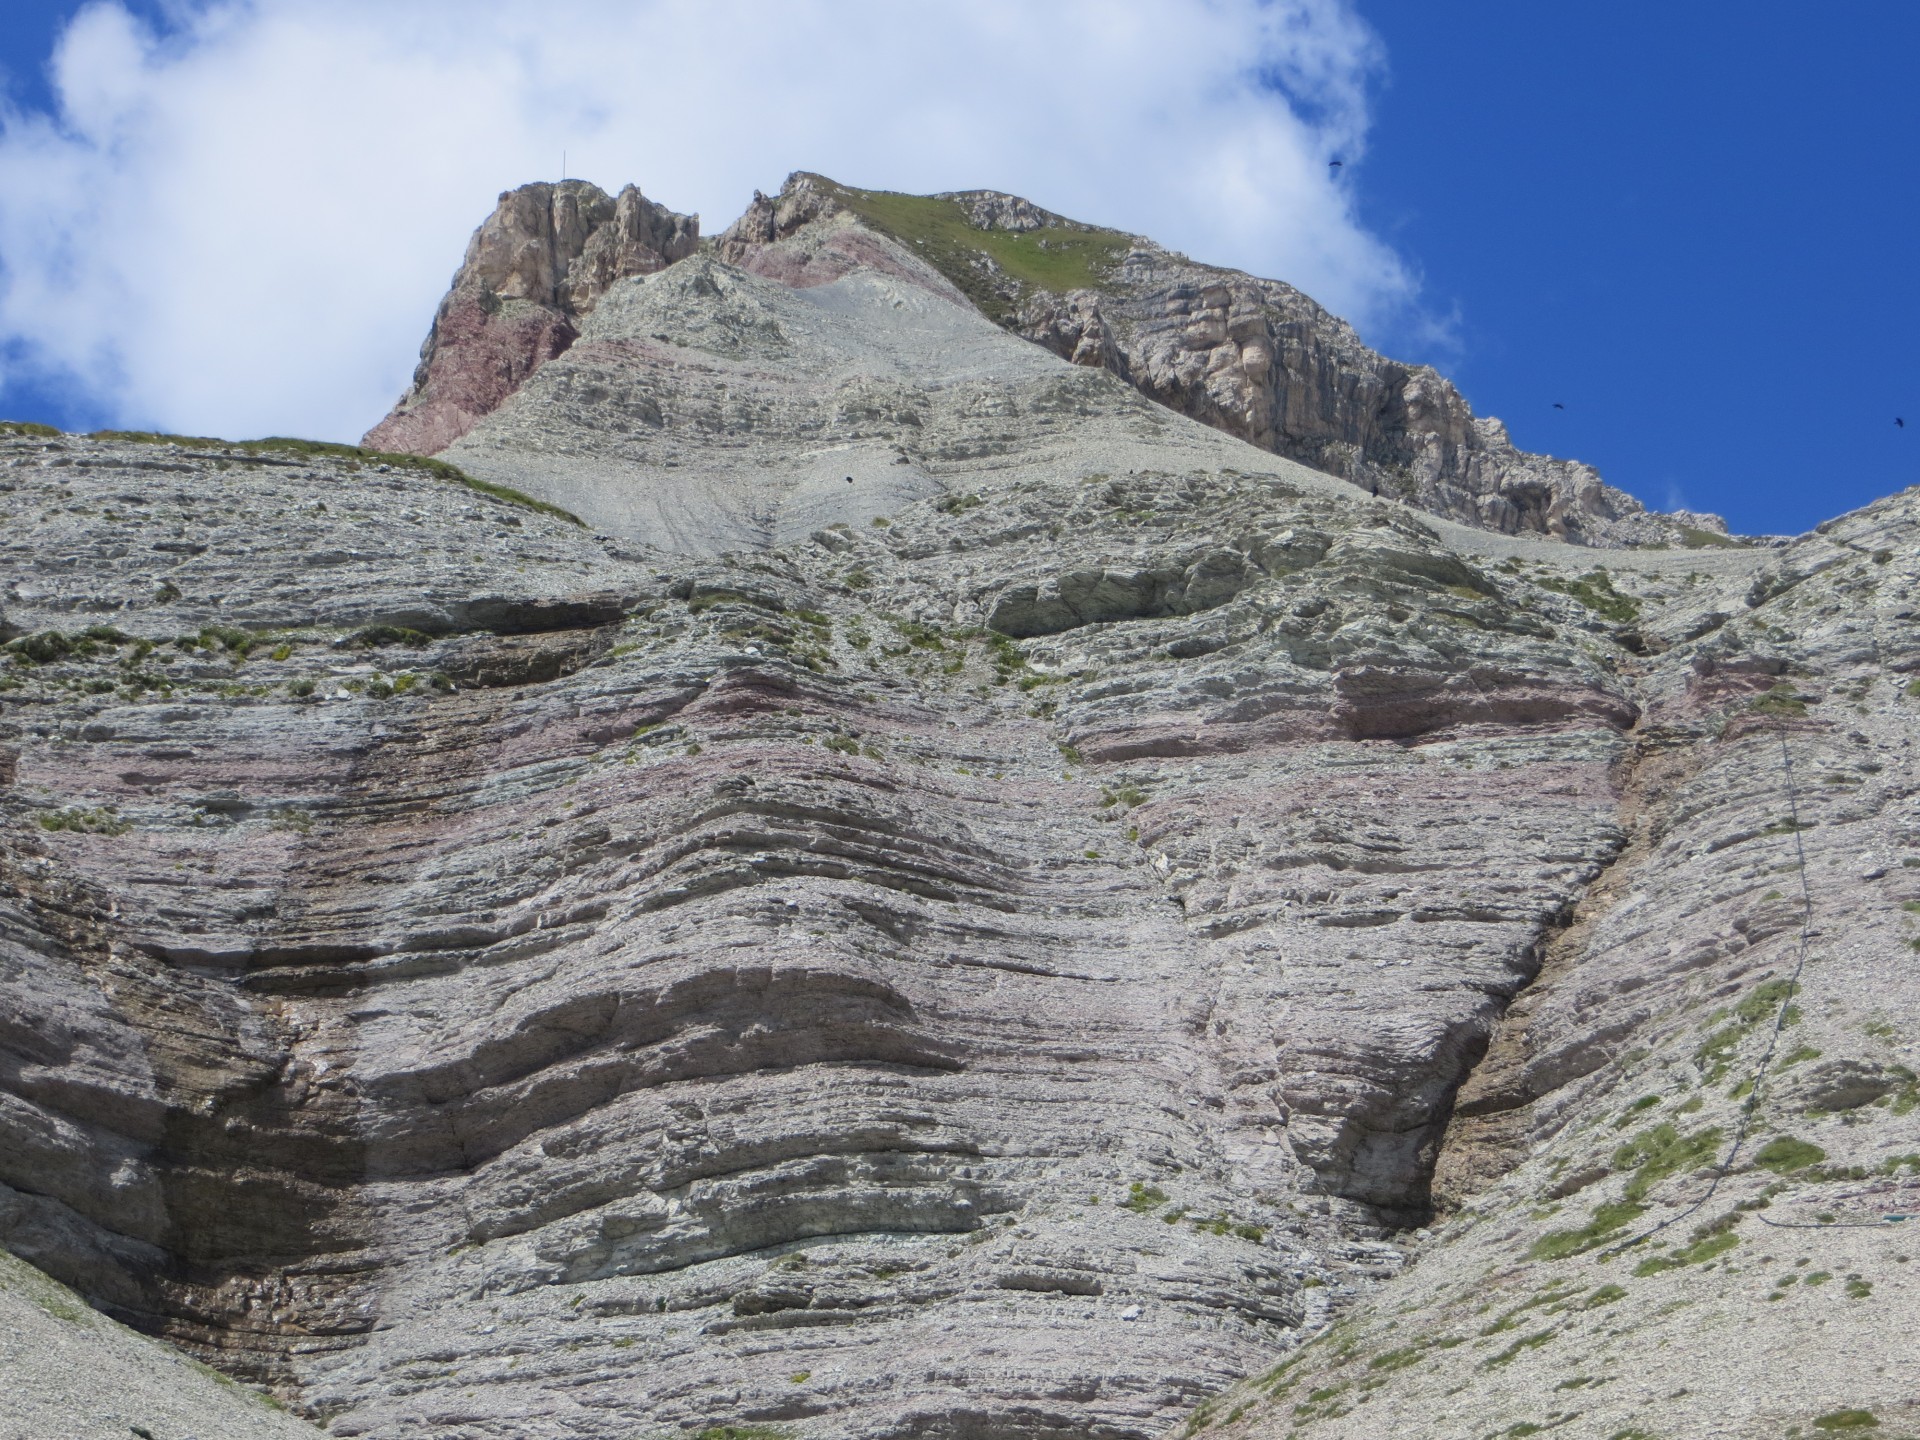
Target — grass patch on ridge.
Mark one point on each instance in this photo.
(357, 455)
(1609, 1218)
(1056, 258)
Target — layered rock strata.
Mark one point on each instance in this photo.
(755, 981)
(1000, 963)
(1255, 358)
(533, 271)
(1684, 1183)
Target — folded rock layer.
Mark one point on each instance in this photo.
(959, 903)
(1253, 357)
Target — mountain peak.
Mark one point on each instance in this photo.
(532, 271)
(1253, 357)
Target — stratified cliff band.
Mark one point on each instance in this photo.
(828, 871)
(1253, 357)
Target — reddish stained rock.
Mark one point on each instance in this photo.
(753, 961)
(533, 270)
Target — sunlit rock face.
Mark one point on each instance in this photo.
(533, 271)
(1253, 357)
(959, 902)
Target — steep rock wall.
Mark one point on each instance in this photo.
(534, 269)
(1253, 357)
(746, 971)
(1009, 961)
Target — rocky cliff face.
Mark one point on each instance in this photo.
(532, 272)
(960, 903)
(1252, 357)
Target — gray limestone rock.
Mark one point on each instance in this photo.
(1018, 945)
(533, 270)
(1253, 357)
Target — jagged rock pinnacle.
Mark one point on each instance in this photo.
(532, 272)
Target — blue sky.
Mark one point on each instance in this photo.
(1700, 233)
(1695, 233)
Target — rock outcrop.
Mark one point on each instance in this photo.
(533, 271)
(1253, 357)
(959, 903)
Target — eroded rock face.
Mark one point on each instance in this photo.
(1681, 1184)
(1253, 357)
(1008, 950)
(747, 969)
(533, 271)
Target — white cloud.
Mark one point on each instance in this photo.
(242, 226)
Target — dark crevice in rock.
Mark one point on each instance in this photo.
(1492, 1123)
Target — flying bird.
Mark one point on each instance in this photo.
(1335, 164)
(1898, 422)
(1558, 406)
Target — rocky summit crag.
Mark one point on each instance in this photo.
(829, 871)
(1253, 357)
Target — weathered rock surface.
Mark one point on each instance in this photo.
(533, 271)
(1684, 1182)
(1253, 357)
(987, 953)
(70, 1373)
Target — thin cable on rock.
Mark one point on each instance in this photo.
(1752, 1105)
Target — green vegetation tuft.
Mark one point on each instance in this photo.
(1627, 1116)
(1595, 591)
(1519, 1347)
(1764, 1000)
(1221, 1225)
(1784, 1155)
(1781, 700)
(1397, 1359)
(1660, 1151)
(28, 427)
(1008, 658)
(1559, 1244)
(44, 647)
(1697, 1253)
(1847, 1420)
(1056, 258)
(1143, 1199)
(98, 820)
(1715, 1054)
